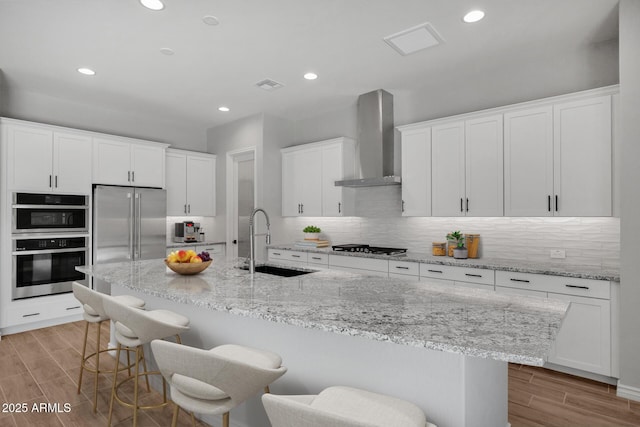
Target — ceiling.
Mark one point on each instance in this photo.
(43, 42)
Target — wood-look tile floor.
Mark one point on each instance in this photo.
(42, 366)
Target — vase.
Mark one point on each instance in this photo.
(460, 253)
(311, 236)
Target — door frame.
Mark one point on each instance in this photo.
(232, 158)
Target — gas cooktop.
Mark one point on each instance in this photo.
(354, 247)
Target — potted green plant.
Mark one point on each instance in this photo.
(456, 243)
(311, 232)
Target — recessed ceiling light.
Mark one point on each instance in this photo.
(311, 76)
(86, 71)
(167, 51)
(414, 39)
(210, 20)
(152, 4)
(473, 16)
(223, 109)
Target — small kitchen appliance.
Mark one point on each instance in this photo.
(186, 232)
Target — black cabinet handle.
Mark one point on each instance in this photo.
(128, 176)
(30, 315)
(473, 275)
(467, 204)
(461, 210)
(577, 287)
(556, 203)
(295, 256)
(56, 181)
(49, 180)
(402, 268)
(316, 257)
(434, 271)
(277, 253)
(73, 308)
(519, 280)
(339, 207)
(403, 206)
(133, 176)
(549, 203)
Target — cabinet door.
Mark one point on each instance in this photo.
(176, 184)
(111, 162)
(30, 158)
(528, 162)
(201, 186)
(332, 168)
(147, 165)
(582, 157)
(416, 173)
(307, 185)
(447, 169)
(290, 202)
(72, 163)
(484, 166)
(584, 340)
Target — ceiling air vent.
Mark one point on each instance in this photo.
(268, 84)
(414, 39)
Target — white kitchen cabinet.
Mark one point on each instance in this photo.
(416, 172)
(528, 162)
(370, 266)
(582, 157)
(42, 158)
(286, 256)
(462, 276)
(558, 159)
(309, 172)
(42, 310)
(190, 183)
(466, 167)
(119, 161)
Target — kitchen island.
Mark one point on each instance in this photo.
(441, 348)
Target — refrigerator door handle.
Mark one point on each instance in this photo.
(130, 221)
(138, 226)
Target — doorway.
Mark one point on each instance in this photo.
(240, 200)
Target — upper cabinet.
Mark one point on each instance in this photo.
(416, 176)
(309, 172)
(558, 159)
(119, 161)
(466, 167)
(44, 158)
(551, 157)
(190, 183)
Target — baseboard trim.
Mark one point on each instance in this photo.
(628, 392)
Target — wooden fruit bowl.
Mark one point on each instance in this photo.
(188, 268)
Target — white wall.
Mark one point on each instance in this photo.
(38, 107)
(629, 134)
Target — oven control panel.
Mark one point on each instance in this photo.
(45, 244)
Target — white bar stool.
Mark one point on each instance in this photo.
(343, 407)
(93, 312)
(217, 380)
(134, 328)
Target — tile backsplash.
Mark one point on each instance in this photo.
(587, 241)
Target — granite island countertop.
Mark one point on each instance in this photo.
(551, 268)
(466, 321)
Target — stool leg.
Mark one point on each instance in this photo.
(135, 387)
(84, 352)
(266, 389)
(193, 420)
(225, 419)
(128, 363)
(113, 387)
(95, 380)
(144, 364)
(174, 421)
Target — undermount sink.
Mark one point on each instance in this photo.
(279, 271)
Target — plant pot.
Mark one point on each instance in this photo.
(460, 253)
(311, 236)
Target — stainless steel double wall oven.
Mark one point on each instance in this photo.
(50, 237)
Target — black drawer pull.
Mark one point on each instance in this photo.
(577, 287)
(277, 253)
(473, 275)
(434, 271)
(73, 308)
(316, 257)
(295, 256)
(32, 314)
(403, 268)
(519, 280)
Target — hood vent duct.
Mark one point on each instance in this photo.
(375, 141)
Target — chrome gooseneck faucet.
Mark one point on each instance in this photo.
(252, 243)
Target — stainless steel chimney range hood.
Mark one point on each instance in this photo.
(375, 141)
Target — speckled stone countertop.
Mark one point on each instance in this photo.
(466, 321)
(552, 268)
(186, 244)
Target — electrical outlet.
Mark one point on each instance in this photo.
(558, 253)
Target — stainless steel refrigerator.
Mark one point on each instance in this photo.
(129, 224)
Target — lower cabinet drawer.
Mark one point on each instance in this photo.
(556, 284)
(43, 308)
(459, 274)
(406, 277)
(367, 264)
(518, 291)
(320, 259)
(404, 267)
(287, 255)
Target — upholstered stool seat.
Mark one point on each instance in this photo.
(93, 312)
(343, 407)
(133, 329)
(217, 380)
